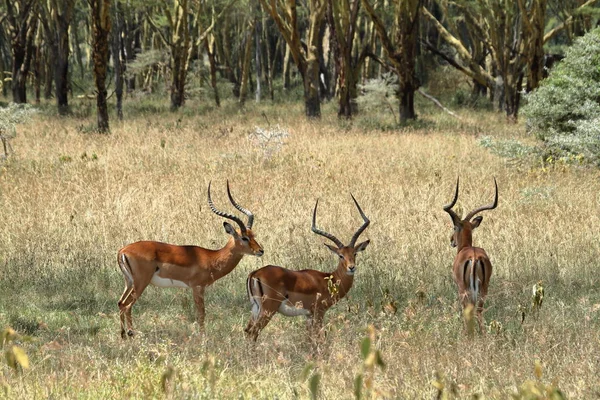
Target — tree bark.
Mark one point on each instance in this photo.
(22, 25)
(101, 26)
(402, 50)
(118, 57)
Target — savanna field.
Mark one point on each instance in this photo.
(70, 199)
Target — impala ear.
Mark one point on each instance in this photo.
(332, 248)
(361, 246)
(476, 221)
(230, 229)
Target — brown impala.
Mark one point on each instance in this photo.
(308, 292)
(472, 268)
(168, 265)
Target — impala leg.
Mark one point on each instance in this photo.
(268, 308)
(122, 301)
(198, 292)
(126, 302)
(480, 319)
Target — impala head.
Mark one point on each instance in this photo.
(463, 228)
(347, 254)
(243, 238)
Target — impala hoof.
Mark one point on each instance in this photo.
(130, 333)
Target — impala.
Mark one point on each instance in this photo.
(472, 268)
(167, 265)
(308, 292)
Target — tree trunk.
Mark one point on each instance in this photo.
(61, 67)
(100, 30)
(286, 67)
(37, 72)
(22, 51)
(117, 53)
(407, 105)
(312, 100)
(179, 77)
(258, 59)
(247, 57)
(2, 75)
(48, 74)
(210, 51)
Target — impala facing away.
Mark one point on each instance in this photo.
(308, 292)
(472, 268)
(167, 265)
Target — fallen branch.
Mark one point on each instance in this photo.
(437, 103)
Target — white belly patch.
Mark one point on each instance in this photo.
(166, 282)
(288, 309)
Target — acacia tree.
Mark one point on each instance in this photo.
(181, 38)
(306, 56)
(22, 25)
(401, 49)
(100, 21)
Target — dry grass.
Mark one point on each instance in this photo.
(70, 200)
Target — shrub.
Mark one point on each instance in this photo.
(565, 110)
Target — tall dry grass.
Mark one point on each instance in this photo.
(70, 200)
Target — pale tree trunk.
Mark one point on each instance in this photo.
(286, 67)
(258, 57)
(209, 46)
(246, 63)
(101, 26)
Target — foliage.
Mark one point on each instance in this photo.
(10, 117)
(364, 382)
(270, 140)
(13, 115)
(15, 356)
(564, 111)
(379, 94)
(537, 390)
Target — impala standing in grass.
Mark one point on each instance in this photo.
(311, 293)
(167, 265)
(472, 268)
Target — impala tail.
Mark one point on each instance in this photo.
(474, 280)
(252, 285)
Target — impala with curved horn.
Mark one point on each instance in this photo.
(311, 293)
(167, 265)
(472, 268)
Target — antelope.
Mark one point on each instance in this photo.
(167, 265)
(472, 268)
(310, 293)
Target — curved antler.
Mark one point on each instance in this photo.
(323, 233)
(242, 209)
(448, 207)
(224, 214)
(364, 225)
(490, 206)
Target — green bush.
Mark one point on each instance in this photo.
(565, 110)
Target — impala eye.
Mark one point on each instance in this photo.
(340, 256)
(245, 239)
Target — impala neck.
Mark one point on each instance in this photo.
(345, 281)
(465, 238)
(226, 260)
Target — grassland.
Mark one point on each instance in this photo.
(70, 199)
